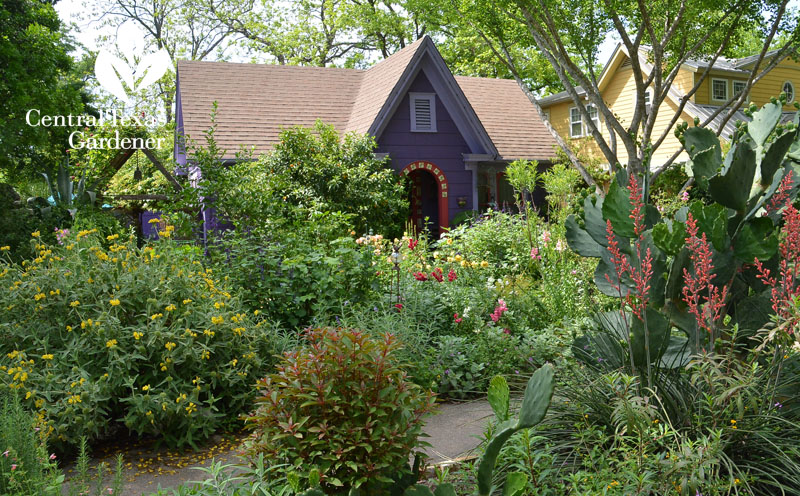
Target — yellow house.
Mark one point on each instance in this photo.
(618, 88)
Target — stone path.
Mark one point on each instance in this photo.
(454, 432)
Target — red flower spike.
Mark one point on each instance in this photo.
(451, 276)
(437, 274)
(420, 276)
(785, 285)
(781, 197)
(398, 306)
(705, 300)
(412, 243)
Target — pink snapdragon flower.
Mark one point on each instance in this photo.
(499, 310)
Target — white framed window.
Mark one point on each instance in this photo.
(594, 116)
(788, 89)
(739, 86)
(423, 112)
(575, 123)
(719, 90)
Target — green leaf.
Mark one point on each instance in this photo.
(445, 490)
(669, 236)
(515, 484)
(418, 490)
(756, 239)
(593, 217)
(580, 241)
(764, 121)
(776, 151)
(489, 458)
(536, 399)
(617, 207)
(705, 165)
(499, 397)
(699, 139)
(654, 335)
(731, 188)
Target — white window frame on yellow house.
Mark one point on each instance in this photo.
(713, 95)
(573, 111)
(596, 119)
(735, 91)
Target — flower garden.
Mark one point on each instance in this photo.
(640, 343)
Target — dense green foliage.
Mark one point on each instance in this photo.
(34, 55)
(339, 406)
(98, 339)
(26, 468)
(308, 172)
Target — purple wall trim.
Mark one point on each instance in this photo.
(443, 148)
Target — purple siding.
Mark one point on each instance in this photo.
(442, 148)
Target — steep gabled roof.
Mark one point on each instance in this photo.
(377, 84)
(256, 101)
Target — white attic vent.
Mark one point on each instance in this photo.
(423, 112)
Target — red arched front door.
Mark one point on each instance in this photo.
(428, 185)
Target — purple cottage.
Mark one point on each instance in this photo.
(452, 137)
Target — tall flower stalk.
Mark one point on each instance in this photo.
(640, 272)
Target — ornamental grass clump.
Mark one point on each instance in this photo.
(340, 407)
(101, 341)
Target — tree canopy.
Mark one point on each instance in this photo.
(567, 33)
(37, 74)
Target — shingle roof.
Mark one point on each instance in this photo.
(256, 101)
(510, 119)
(376, 85)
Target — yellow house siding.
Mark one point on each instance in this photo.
(771, 84)
(619, 94)
(559, 119)
(684, 82)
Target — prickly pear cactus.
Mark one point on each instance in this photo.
(535, 402)
(741, 224)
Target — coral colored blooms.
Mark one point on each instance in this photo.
(499, 310)
(785, 283)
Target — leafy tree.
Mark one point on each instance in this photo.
(36, 68)
(177, 26)
(568, 32)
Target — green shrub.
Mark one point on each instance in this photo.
(26, 467)
(148, 340)
(294, 274)
(17, 222)
(340, 405)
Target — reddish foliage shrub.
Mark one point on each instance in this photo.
(342, 405)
